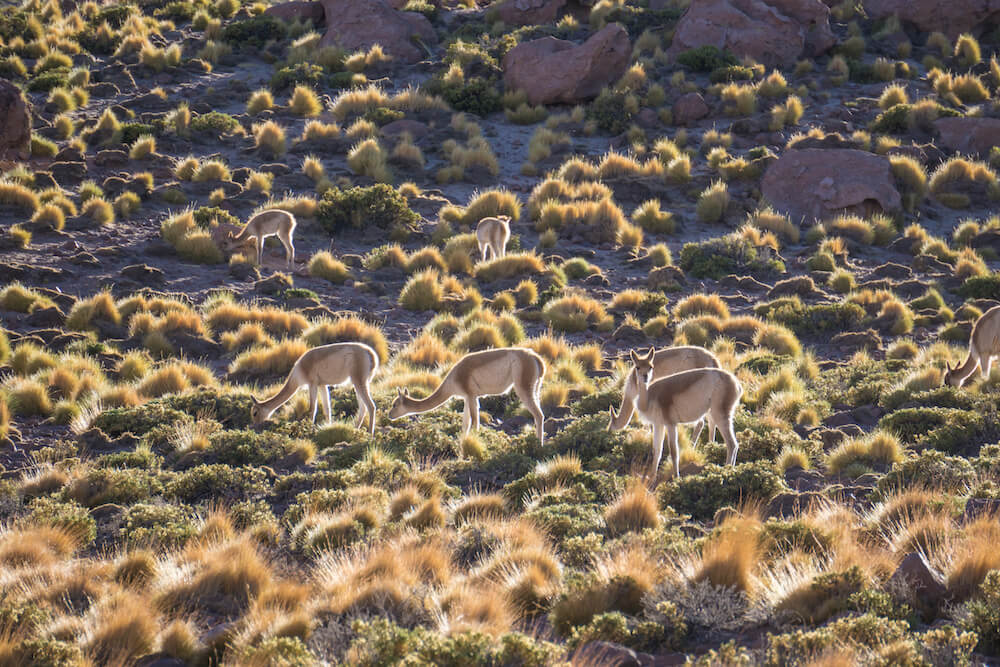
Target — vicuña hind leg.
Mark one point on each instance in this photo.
(696, 431)
(729, 435)
(289, 250)
(674, 448)
(314, 400)
(366, 406)
(326, 403)
(529, 399)
(657, 450)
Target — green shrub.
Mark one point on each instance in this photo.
(72, 516)
(981, 287)
(707, 59)
(214, 122)
(216, 481)
(715, 487)
(948, 430)
(611, 112)
(982, 615)
(158, 525)
(254, 32)
(931, 469)
(719, 257)
(361, 207)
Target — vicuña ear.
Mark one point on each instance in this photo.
(399, 392)
(633, 356)
(649, 355)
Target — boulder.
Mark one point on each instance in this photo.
(815, 183)
(926, 582)
(360, 24)
(551, 70)
(772, 32)
(290, 11)
(690, 108)
(951, 17)
(15, 123)
(968, 135)
(530, 12)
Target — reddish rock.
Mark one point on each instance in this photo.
(773, 32)
(551, 70)
(530, 12)
(290, 11)
(690, 108)
(15, 123)
(921, 576)
(968, 135)
(951, 17)
(360, 24)
(815, 183)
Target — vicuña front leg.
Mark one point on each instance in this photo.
(326, 403)
(314, 400)
(366, 406)
(729, 435)
(674, 448)
(529, 399)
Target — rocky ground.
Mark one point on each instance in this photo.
(806, 189)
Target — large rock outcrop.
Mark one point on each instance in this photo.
(951, 17)
(360, 24)
(15, 122)
(553, 70)
(297, 9)
(816, 183)
(772, 32)
(968, 135)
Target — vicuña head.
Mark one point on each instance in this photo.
(257, 413)
(984, 345)
(399, 405)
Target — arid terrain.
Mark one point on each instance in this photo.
(804, 188)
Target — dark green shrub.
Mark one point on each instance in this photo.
(383, 116)
(99, 486)
(715, 487)
(206, 215)
(476, 95)
(232, 409)
(932, 469)
(358, 208)
(610, 112)
(381, 642)
(719, 257)
(158, 525)
(137, 421)
(285, 651)
(216, 482)
(114, 15)
(254, 32)
(946, 429)
(731, 73)
(137, 458)
(132, 131)
(983, 615)
(45, 653)
(214, 122)
(637, 634)
(981, 287)
(814, 319)
(14, 23)
(98, 42)
(48, 80)
(867, 632)
(70, 515)
(706, 59)
(598, 448)
(178, 11)
(290, 76)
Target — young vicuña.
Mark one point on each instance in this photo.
(666, 362)
(683, 398)
(984, 344)
(272, 222)
(485, 373)
(321, 367)
(492, 234)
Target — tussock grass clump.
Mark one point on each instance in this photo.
(325, 265)
(857, 455)
(509, 266)
(954, 179)
(367, 158)
(99, 308)
(577, 312)
(269, 138)
(346, 329)
(769, 220)
(701, 304)
(712, 202)
(49, 217)
(649, 216)
(635, 510)
(21, 196)
(304, 102)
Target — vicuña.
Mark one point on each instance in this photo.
(492, 235)
(666, 362)
(683, 398)
(486, 373)
(984, 344)
(272, 222)
(320, 367)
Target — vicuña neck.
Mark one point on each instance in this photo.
(438, 397)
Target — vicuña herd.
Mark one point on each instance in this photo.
(667, 388)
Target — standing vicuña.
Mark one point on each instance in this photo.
(683, 398)
(666, 362)
(492, 235)
(321, 367)
(272, 222)
(984, 344)
(486, 373)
